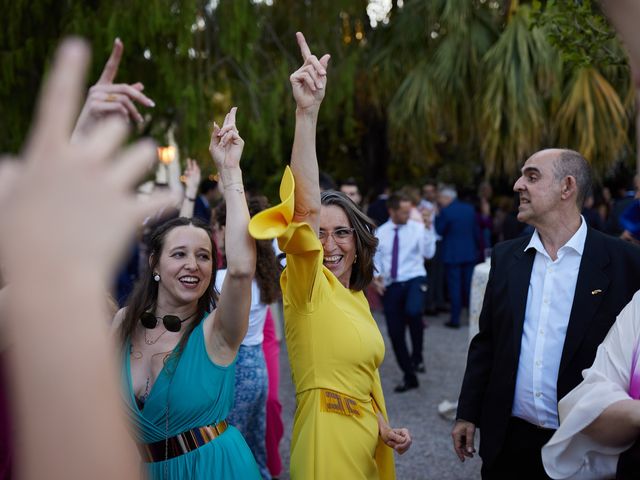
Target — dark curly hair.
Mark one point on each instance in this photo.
(145, 292)
(366, 241)
(267, 266)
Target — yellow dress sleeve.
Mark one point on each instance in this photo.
(301, 277)
(384, 454)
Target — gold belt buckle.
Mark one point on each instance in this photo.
(334, 402)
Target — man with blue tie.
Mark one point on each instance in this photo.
(403, 246)
(456, 224)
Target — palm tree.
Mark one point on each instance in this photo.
(482, 88)
(592, 118)
(520, 73)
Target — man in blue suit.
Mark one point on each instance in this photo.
(457, 226)
(209, 196)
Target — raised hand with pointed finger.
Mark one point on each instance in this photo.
(310, 80)
(226, 144)
(106, 98)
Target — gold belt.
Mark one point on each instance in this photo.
(182, 443)
(334, 402)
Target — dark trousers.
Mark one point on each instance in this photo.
(435, 280)
(403, 304)
(520, 456)
(629, 463)
(459, 284)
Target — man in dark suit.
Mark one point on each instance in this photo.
(456, 224)
(206, 200)
(550, 300)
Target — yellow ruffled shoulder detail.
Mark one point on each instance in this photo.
(274, 222)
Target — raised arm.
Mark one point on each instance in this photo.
(192, 176)
(106, 98)
(63, 370)
(308, 84)
(231, 317)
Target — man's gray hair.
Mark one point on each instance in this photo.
(572, 163)
(449, 191)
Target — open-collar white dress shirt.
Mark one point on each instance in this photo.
(549, 301)
(415, 243)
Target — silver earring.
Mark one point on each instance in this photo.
(355, 259)
(156, 277)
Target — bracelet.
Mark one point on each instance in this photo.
(190, 199)
(238, 189)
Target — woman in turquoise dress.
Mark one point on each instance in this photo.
(179, 353)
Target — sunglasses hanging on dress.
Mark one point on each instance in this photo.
(172, 323)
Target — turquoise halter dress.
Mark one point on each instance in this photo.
(199, 393)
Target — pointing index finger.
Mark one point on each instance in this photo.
(304, 48)
(232, 116)
(111, 68)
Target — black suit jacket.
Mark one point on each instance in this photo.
(202, 211)
(608, 264)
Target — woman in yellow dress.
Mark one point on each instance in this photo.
(340, 428)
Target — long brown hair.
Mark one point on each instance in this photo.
(366, 241)
(145, 292)
(267, 266)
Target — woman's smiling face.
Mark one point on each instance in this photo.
(338, 255)
(185, 265)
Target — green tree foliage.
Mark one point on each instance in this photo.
(161, 27)
(579, 31)
(595, 108)
(481, 85)
(197, 59)
(455, 88)
(519, 73)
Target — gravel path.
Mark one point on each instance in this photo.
(431, 455)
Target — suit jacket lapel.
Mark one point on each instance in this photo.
(591, 277)
(519, 274)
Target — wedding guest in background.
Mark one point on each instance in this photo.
(456, 224)
(275, 427)
(249, 413)
(403, 245)
(350, 188)
(208, 197)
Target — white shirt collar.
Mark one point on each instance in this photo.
(576, 242)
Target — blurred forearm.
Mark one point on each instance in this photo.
(62, 361)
